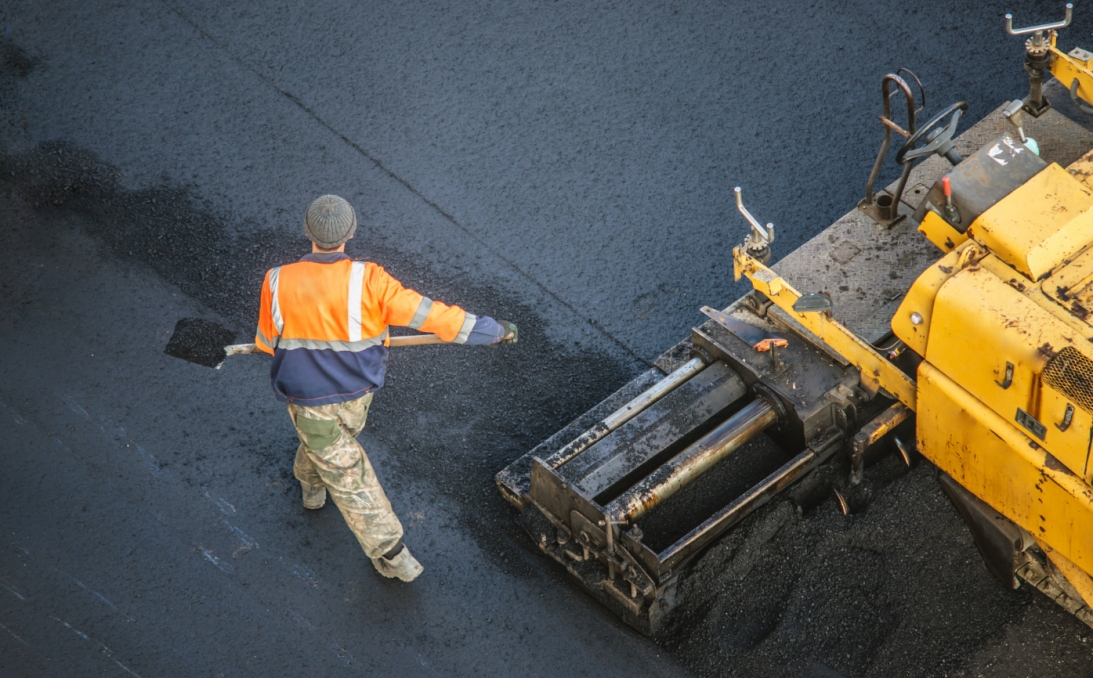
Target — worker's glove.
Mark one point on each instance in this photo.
(510, 330)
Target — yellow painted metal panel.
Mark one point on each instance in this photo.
(1067, 69)
(1071, 447)
(1034, 293)
(1036, 227)
(920, 301)
(1072, 286)
(1082, 169)
(1003, 467)
(940, 233)
(876, 371)
(979, 325)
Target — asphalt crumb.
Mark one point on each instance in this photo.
(896, 588)
(199, 341)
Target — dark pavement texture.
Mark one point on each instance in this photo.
(566, 165)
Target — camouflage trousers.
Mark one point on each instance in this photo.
(329, 456)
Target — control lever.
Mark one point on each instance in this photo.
(757, 244)
(1015, 113)
(951, 214)
(1038, 58)
(1016, 117)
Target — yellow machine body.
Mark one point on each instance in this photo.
(1004, 393)
(1005, 390)
(1003, 326)
(1068, 68)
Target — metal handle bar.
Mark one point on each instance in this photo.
(744, 210)
(921, 89)
(886, 118)
(405, 340)
(1039, 29)
(764, 235)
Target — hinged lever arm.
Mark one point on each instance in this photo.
(759, 239)
(763, 233)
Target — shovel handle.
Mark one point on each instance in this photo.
(411, 340)
(417, 340)
(240, 349)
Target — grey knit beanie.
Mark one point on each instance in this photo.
(330, 221)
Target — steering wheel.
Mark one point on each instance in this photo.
(940, 140)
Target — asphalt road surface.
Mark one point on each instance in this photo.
(567, 165)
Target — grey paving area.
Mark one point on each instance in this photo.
(563, 164)
(867, 268)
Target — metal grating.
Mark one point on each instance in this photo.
(1071, 373)
(867, 269)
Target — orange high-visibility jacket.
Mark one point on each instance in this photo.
(324, 319)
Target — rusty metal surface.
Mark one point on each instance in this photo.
(514, 479)
(627, 412)
(1037, 571)
(677, 416)
(871, 433)
(867, 268)
(693, 461)
(759, 494)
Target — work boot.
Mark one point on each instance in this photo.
(402, 565)
(314, 497)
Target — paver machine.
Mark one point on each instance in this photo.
(949, 316)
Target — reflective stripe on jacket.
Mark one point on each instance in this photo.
(325, 318)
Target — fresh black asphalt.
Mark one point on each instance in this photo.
(567, 165)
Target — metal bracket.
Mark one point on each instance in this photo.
(813, 303)
(1008, 380)
(759, 239)
(1014, 112)
(757, 303)
(1068, 417)
(871, 433)
(756, 337)
(876, 372)
(608, 524)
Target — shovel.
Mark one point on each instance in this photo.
(206, 343)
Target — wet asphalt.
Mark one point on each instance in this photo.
(565, 165)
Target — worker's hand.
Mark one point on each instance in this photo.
(511, 332)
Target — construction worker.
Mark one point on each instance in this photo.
(324, 319)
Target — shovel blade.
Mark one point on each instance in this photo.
(199, 341)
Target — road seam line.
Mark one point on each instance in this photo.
(406, 184)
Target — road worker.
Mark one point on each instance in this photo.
(324, 319)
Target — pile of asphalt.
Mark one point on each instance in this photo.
(711, 491)
(896, 588)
